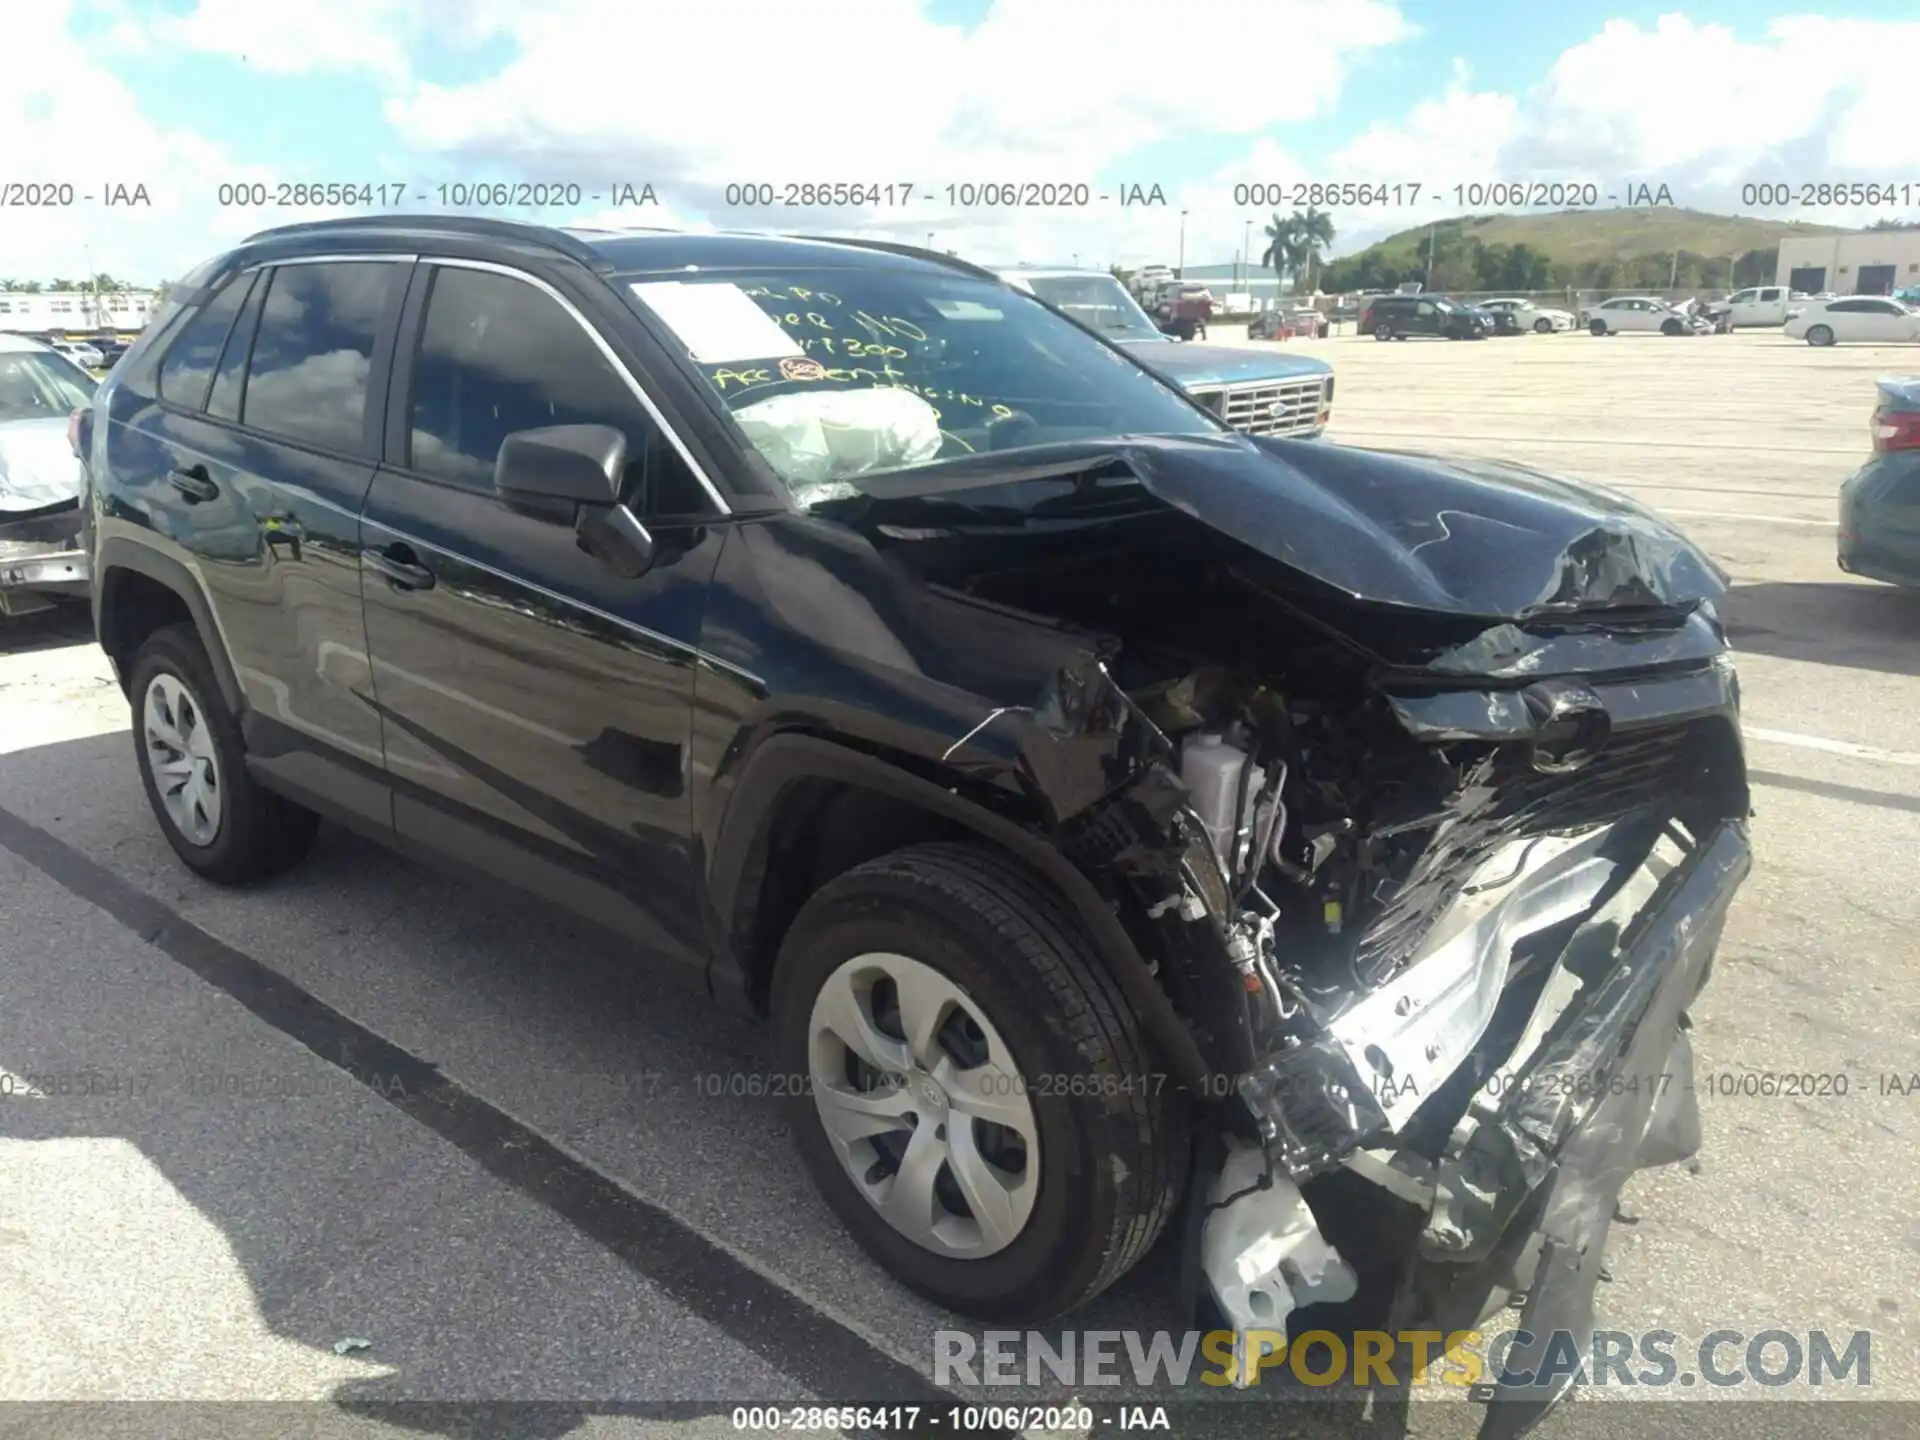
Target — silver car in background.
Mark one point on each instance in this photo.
(41, 553)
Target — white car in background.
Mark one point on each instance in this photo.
(81, 353)
(1542, 319)
(1626, 314)
(1862, 319)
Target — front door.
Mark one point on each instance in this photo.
(535, 706)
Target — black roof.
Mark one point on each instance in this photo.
(633, 250)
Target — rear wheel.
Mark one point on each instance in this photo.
(192, 761)
(973, 1094)
(1597, 327)
(1383, 332)
(1820, 335)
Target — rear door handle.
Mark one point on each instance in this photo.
(401, 567)
(194, 484)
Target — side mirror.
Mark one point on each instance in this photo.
(568, 464)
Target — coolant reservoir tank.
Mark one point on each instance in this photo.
(1211, 769)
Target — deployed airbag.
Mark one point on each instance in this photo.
(819, 439)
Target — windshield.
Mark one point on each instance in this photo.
(35, 385)
(833, 374)
(1099, 302)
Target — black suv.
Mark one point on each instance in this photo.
(1113, 812)
(1395, 317)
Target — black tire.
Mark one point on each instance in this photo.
(1113, 1159)
(1597, 327)
(1820, 335)
(1543, 327)
(1671, 327)
(1384, 332)
(260, 833)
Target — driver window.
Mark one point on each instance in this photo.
(497, 355)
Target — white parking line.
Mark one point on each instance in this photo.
(1832, 747)
(1748, 515)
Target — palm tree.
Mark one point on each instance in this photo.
(1281, 254)
(1312, 234)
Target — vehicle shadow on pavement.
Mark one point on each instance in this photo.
(345, 1218)
(1860, 624)
(65, 624)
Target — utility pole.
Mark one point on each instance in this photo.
(1431, 230)
(1673, 275)
(1180, 270)
(1246, 249)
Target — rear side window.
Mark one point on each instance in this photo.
(499, 355)
(313, 351)
(230, 379)
(187, 372)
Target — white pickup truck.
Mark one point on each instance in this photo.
(1762, 305)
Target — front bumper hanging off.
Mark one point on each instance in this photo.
(1598, 1084)
(41, 556)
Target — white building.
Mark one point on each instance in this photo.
(77, 312)
(1863, 262)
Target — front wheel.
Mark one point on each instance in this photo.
(1820, 335)
(1672, 327)
(1598, 327)
(973, 1094)
(1543, 327)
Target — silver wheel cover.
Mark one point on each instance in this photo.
(181, 755)
(921, 1100)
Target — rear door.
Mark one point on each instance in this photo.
(536, 707)
(267, 423)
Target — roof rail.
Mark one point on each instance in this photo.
(571, 246)
(916, 252)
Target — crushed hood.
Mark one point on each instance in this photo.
(1466, 538)
(37, 469)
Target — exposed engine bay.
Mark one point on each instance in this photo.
(1392, 865)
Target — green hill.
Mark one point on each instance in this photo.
(1574, 247)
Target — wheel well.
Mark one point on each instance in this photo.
(820, 829)
(132, 606)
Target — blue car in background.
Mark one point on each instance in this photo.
(1880, 503)
(1259, 392)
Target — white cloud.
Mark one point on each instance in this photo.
(1688, 105)
(697, 97)
(68, 119)
(288, 37)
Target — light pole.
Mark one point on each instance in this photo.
(1180, 270)
(1246, 249)
(929, 239)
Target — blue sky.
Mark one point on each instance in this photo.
(183, 95)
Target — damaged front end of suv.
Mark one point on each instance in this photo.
(1419, 787)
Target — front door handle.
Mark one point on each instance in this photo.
(194, 484)
(401, 567)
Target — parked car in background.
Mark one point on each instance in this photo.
(1303, 320)
(1762, 305)
(1258, 392)
(1395, 317)
(1642, 314)
(81, 353)
(1096, 803)
(1526, 315)
(111, 348)
(1880, 502)
(41, 555)
(1855, 319)
(1501, 322)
